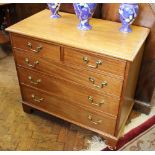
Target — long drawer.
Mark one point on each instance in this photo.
(41, 49)
(101, 83)
(69, 91)
(97, 63)
(68, 111)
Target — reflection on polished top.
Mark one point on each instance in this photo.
(104, 38)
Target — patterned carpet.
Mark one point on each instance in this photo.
(145, 141)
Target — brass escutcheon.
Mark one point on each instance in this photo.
(103, 84)
(34, 82)
(31, 65)
(91, 100)
(38, 48)
(36, 99)
(86, 61)
(94, 122)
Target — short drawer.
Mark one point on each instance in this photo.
(70, 91)
(86, 60)
(68, 111)
(100, 82)
(37, 48)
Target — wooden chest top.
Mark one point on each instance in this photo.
(104, 38)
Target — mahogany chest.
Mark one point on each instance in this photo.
(85, 77)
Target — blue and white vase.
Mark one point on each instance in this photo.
(128, 12)
(84, 12)
(54, 8)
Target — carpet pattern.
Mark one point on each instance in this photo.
(144, 142)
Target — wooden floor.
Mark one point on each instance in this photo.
(37, 131)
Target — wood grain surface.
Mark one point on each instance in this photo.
(104, 38)
(67, 110)
(113, 87)
(74, 58)
(42, 49)
(128, 92)
(72, 92)
(98, 73)
(41, 131)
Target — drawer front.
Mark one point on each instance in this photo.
(93, 62)
(70, 91)
(68, 111)
(101, 83)
(38, 48)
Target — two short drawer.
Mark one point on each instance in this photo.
(74, 58)
(68, 111)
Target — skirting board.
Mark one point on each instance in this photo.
(142, 107)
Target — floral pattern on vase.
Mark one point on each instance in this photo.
(84, 12)
(54, 8)
(128, 12)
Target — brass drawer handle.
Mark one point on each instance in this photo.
(91, 100)
(103, 84)
(98, 62)
(94, 122)
(31, 65)
(38, 49)
(36, 99)
(33, 82)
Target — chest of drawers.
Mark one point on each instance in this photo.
(86, 78)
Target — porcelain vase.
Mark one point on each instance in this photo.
(54, 8)
(128, 12)
(84, 12)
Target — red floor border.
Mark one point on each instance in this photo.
(133, 133)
